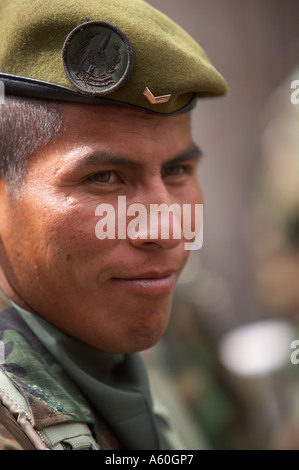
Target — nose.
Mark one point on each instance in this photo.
(158, 221)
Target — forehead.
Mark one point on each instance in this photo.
(124, 128)
(94, 134)
(114, 131)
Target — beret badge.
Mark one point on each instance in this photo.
(98, 58)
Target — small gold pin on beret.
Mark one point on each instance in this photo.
(155, 99)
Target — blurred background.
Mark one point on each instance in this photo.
(227, 366)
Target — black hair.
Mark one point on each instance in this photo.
(25, 125)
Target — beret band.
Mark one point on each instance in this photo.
(30, 88)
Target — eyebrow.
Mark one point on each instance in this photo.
(193, 153)
(95, 159)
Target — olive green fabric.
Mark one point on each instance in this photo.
(116, 384)
(166, 59)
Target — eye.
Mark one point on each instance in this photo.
(104, 177)
(177, 170)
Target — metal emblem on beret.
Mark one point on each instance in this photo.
(98, 58)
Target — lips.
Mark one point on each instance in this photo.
(148, 283)
(148, 275)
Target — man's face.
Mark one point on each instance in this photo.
(114, 294)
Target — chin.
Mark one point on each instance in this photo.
(137, 329)
(136, 339)
(145, 336)
(138, 346)
(143, 345)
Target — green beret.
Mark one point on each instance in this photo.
(102, 51)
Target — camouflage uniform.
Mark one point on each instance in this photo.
(44, 406)
(48, 396)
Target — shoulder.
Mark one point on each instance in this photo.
(36, 396)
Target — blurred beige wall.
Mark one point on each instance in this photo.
(255, 44)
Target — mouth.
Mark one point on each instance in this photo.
(148, 283)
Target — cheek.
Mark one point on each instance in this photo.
(73, 248)
(190, 193)
(190, 196)
(70, 233)
(196, 194)
(191, 202)
(56, 230)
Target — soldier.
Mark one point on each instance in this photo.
(98, 99)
